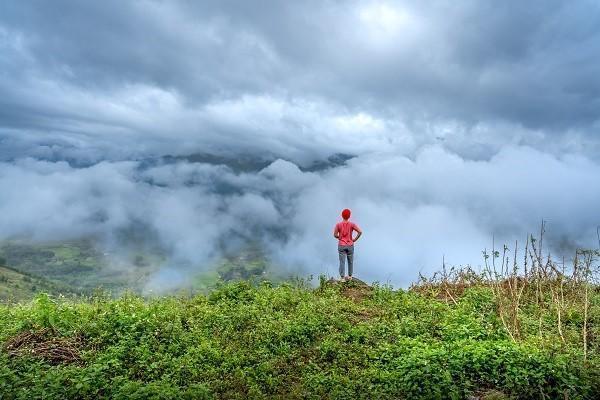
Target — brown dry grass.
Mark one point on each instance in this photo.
(44, 344)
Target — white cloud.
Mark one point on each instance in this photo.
(387, 24)
(412, 212)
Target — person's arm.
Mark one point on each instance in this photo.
(336, 232)
(357, 229)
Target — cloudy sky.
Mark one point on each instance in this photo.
(465, 120)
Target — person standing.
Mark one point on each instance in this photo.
(343, 232)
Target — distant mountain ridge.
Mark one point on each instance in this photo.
(237, 162)
(246, 162)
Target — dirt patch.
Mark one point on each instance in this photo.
(356, 294)
(356, 290)
(46, 345)
(368, 314)
(488, 394)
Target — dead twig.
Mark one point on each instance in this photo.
(44, 344)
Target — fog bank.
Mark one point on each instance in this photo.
(412, 211)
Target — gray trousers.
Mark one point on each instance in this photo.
(346, 251)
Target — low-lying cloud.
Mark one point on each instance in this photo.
(412, 211)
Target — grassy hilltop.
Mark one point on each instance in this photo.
(440, 339)
(507, 332)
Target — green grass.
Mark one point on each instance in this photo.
(17, 286)
(290, 341)
(75, 264)
(80, 266)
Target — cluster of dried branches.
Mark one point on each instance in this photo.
(448, 285)
(539, 280)
(45, 344)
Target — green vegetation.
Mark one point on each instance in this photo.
(80, 267)
(339, 341)
(16, 285)
(77, 266)
(249, 264)
(508, 332)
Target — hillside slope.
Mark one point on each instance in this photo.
(81, 266)
(18, 286)
(339, 341)
(77, 265)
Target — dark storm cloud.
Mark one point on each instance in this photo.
(154, 71)
(103, 45)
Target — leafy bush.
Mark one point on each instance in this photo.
(259, 341)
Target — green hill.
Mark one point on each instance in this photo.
(77, 265)
(18, 286)
(338, 341)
